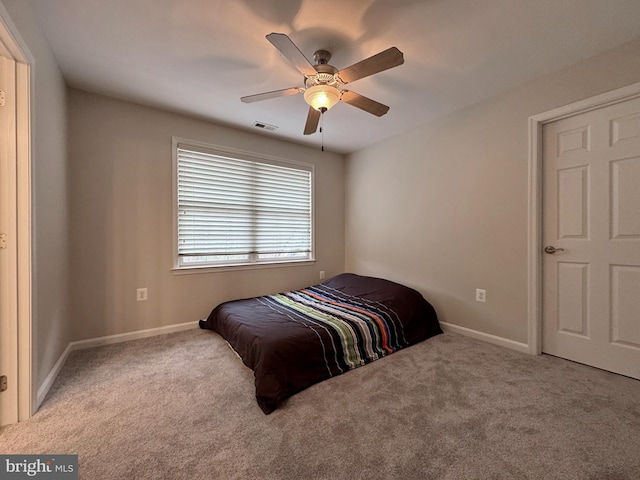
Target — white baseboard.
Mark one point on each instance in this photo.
(487, 337)
(53, 374)
(125, 337)
(106, 340)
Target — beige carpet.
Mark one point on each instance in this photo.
(181, 406)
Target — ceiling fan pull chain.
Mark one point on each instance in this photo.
(322, 131)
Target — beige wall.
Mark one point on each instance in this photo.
(443, 208)
(50, 279)
(121, 216)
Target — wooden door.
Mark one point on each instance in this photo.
(8, 247)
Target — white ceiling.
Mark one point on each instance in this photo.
(198, 57)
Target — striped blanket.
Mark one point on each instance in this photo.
(295, 339)
(360, 330)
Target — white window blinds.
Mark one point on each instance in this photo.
(233, 210)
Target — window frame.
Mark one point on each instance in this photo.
(208, 148)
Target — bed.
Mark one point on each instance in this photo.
(293, 340)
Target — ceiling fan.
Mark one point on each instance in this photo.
(323, 82)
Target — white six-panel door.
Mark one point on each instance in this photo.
(591, 216)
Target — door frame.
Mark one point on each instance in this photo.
(536, 122)
(22, 304)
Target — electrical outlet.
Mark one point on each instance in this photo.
(481, 295)
(141, 294)
(322, 275)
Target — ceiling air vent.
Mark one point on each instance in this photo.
(265, 126)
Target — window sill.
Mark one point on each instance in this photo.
(240, 266)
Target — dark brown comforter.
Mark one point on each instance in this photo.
(293, 340)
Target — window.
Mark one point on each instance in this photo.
(238, 208)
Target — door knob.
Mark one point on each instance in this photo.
(551, 249)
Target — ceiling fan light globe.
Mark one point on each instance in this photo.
(322, 97)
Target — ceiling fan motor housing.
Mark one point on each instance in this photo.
(321, 57)
(327, 75)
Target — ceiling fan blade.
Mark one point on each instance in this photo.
(274, 94)
(291, 52)
(312, 121)
(391, 57)
(364, 103)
